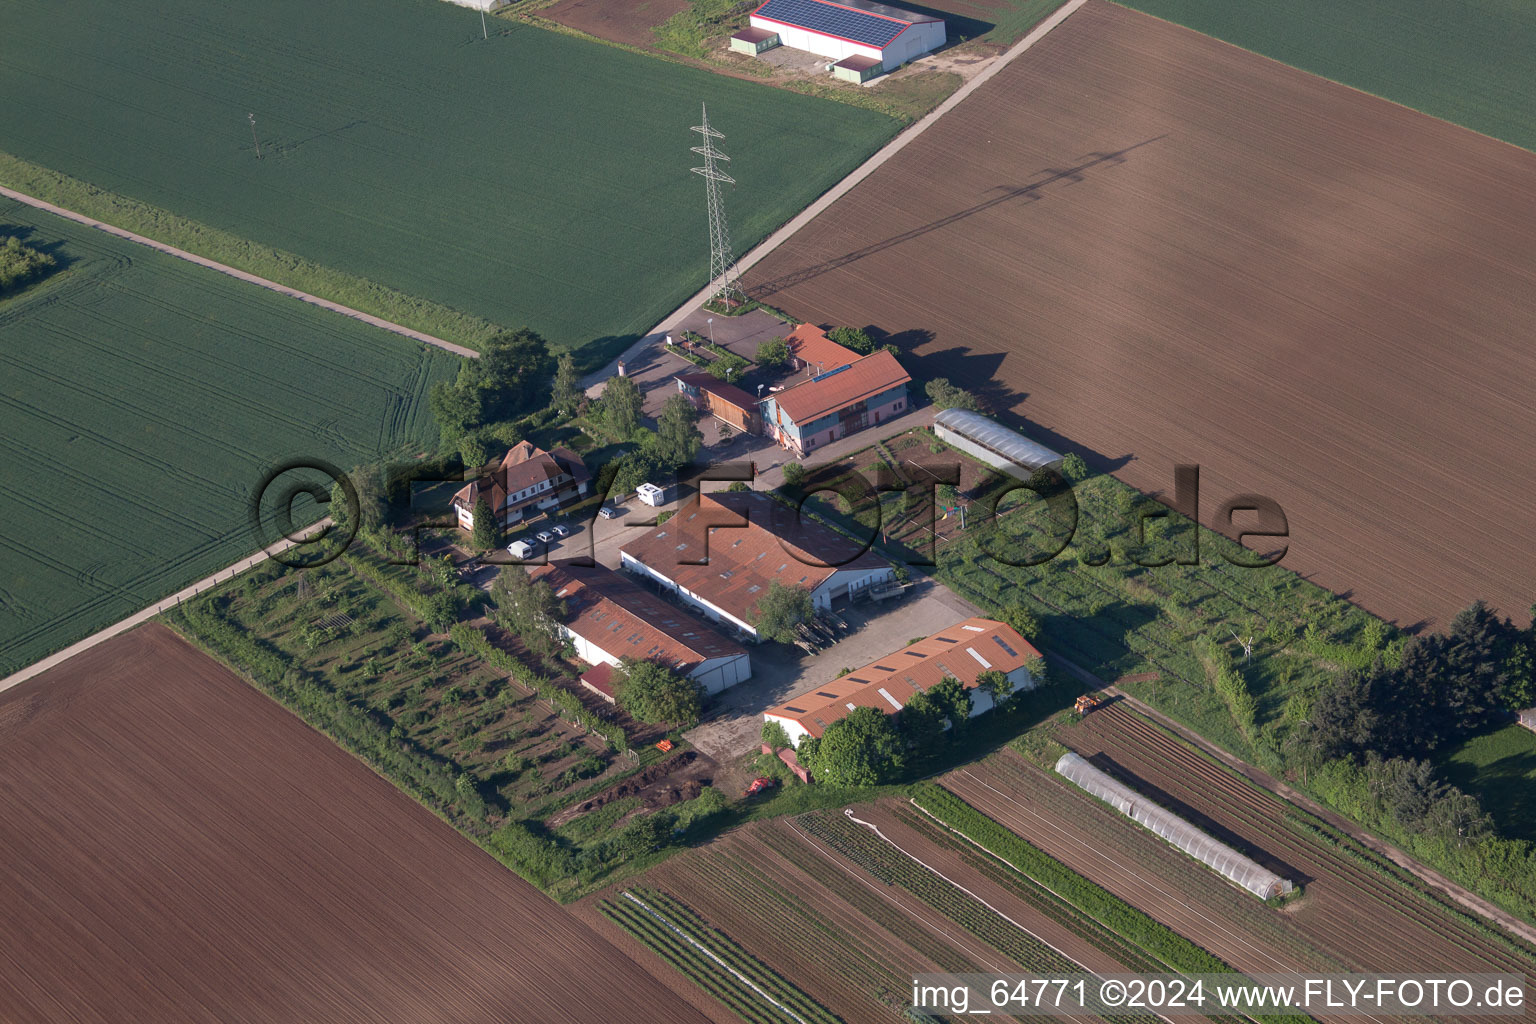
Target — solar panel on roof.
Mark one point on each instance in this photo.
(833, 20)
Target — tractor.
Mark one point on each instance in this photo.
(1086, 703)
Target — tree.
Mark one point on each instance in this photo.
(1023, 621)
(457, 405)
(368, 485)
(565, 396)
(620, 408)
(1073, 468)
(473, 451)
(773, 353)
(852, 337)
(780, 610)
(953, 700)
(774, 736)
(728, 367)
(860, 749)
(995, 685)
(514, 369)
(677, 434)
(921, 723)
(651, 692)
(487, 531)
(20, 264)
(794, 474)
(529, 610)
(945, 395)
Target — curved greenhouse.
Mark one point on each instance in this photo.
(1240, 869)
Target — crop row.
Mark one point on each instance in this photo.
(712, 961)
(1143, 931)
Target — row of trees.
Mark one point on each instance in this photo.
(1380, 728)
(1445, 688)
(511, 377)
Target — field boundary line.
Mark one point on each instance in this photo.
(143, 615)
(842, 188)
(1467, 899)
(224, 268)
(696, 944)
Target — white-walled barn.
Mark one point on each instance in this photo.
(851, 28)
(721, 552)
(609, 617)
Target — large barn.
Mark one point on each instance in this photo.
(721, 552)
(868, 34)
(961, 652)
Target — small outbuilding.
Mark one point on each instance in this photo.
(753, 41)
(857, 68)
(890, 36)
(994, 444)
(1528, 718)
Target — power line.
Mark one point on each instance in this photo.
(722, 267)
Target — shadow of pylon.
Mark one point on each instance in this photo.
(1029, 192)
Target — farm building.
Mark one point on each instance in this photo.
(610, 617)
(962, 651)
(1247, 873)
(528, 480)
(1528, 718)
(725, 402)
(994, 443)
(812, 351)
(753, 41)
(720, 552)
(836, 403)
(851, 28)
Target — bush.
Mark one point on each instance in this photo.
(854, 338)
(775, 736)
(794, 474)
(945, 395)
(773, 353)
(21, 264)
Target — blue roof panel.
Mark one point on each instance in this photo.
(859, 26)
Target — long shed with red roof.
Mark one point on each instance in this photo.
(962, 652)
(841, 29)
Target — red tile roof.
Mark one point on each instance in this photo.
(600, 679)
(617, 615)
(746, 541)
(524, 465)
(962, 651)
(862, 379)
(810, 344)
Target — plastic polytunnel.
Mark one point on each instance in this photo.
(1247, 873)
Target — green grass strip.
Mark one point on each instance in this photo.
(285, 268)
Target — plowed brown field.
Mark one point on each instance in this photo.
(176, 847)
(1161, 248)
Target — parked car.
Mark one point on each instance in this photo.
(545, 536)
(608, 512)
(561, 530)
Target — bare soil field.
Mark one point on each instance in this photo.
(1348, 918)
(622, 21)
(1156, 248)
(178, 847)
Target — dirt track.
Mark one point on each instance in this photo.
(178, 847)
(1159, 248)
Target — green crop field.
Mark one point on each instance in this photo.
(1469, 63)
(531, 179)
(142, 400)
(1499, 768)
